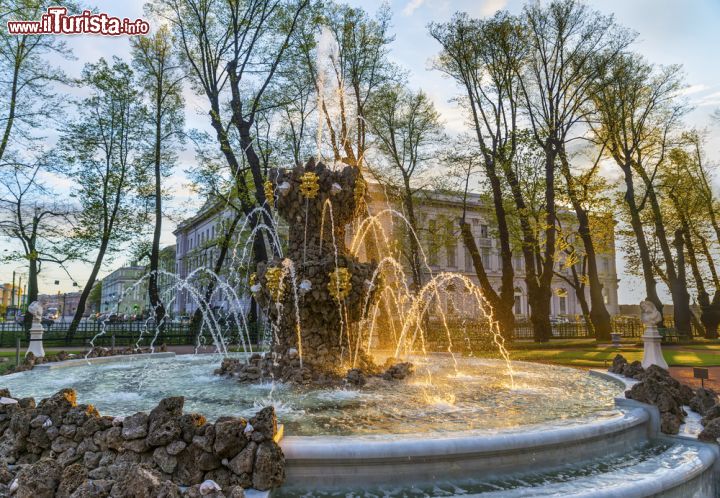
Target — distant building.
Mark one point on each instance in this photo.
(123, 293)
(6, 295)
(65, 303)
(197, 247)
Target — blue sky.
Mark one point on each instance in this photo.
(670, 32)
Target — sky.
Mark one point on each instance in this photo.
(669, 32)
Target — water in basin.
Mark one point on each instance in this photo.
(438, 398)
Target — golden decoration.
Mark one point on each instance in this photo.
(273, 281)
(269, 193)
(253, 279)
(339, 285)
(309, 185)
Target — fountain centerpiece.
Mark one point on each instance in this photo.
(314, 296)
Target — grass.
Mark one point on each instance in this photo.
(600, 357)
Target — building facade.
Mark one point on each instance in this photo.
(438, 218)
(197, 250)
(124, 292)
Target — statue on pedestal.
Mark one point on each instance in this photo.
(652, 354)
(36, 330)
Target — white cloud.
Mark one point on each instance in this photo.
(411, 6)
(489, 7)
(691, 89)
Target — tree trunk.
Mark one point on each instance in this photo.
(681, 306)
(153, 294)
(86, 290)
(415, 264)
(636, 223)
(539, 300)
(598, 313)
(503, 310)
(676, 276)
(32, 289)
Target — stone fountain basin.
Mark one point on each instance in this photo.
(392, 458)
(352, 461)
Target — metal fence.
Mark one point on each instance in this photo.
(119, 334)
(478, 333)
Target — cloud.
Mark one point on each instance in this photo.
(489, 7)
(411, 6)
(691, 89)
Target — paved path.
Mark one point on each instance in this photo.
(685, 375)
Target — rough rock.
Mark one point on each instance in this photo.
(711, 431)
(634, 370)
(399, 371)
(703, 400)
(658, 388)
(244, 461)
(229, 437)
(135, 426)
(72, 477)
(618, 364)
(355, 377)
(265, 422)
(39, 480)
(269, 467)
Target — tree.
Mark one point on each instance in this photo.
(28, 100)
(232, 51)
(481, 56)
(407, 132)
(684, 182)
(637, 112)
(32, 217)
(29, 105)
(568, 45)
(348, 65)
(102, 157)
(158, 71)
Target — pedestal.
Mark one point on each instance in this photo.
(652, 354)
(36, 335)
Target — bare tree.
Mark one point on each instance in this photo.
(407, 132)
(32, 218)
(158, 71)
(638, 111)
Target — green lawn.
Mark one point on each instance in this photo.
(600, 357)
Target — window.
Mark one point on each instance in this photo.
(451, 256)
(562, 300)
(485, 255)
(518, 261)
(517, 307)
(605, 265)
(484, 231)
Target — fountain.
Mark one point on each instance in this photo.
(459, 426)
(315, 295)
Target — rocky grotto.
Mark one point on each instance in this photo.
(65, 449)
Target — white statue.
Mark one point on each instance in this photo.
(36, 310)
(649, 314)
(652, 349)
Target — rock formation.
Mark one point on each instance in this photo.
(318, 340)
(61, 448)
